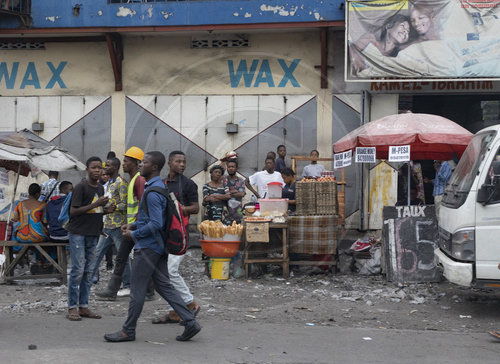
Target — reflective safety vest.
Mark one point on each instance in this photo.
(132, 201)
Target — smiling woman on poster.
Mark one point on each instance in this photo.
(446, 40)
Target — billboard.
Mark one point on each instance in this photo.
(422, 39)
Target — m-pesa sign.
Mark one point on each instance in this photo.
(25, 75)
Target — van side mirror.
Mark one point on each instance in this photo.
(485, 193)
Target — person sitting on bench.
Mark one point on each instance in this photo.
(31, 218)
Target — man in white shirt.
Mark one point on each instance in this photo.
(262, 178)
(314, 169)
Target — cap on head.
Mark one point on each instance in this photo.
(134, 152)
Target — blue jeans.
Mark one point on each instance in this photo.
(82, 250)
(114, 236)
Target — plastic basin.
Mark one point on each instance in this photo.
(220, 249)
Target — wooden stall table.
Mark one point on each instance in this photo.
(284, 261)
(316, 234)
(11, 263)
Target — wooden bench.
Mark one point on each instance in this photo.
(11, 262)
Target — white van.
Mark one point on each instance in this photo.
(469, 217)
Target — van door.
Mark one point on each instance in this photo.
(488, 226)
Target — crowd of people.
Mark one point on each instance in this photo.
(106, 214)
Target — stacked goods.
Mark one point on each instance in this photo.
(305, 196)
(213, 230)
(326, 198)
(316, 196)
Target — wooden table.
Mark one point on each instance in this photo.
(284, 261)
(11, 263)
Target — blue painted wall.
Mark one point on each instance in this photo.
(98, 13)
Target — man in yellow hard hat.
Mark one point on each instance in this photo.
(131, 159)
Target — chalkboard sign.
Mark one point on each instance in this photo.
(410, 236)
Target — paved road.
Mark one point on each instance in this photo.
(59, 340)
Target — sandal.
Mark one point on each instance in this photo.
(165, 320)
(73, 315)
(89, 314)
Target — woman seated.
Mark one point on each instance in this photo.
(215, 195)
(31, 218)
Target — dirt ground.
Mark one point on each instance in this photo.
(309, 297)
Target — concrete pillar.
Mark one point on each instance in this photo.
(118, 121)
(324, 123)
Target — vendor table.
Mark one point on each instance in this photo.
(11, 263)
(284, 261)
(317, 234)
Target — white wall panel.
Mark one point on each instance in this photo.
(50, 114)
(246, 111)
(219, 111)
(72, 110)
(147, 102)
(271, 109)
(218, 142)
(168, 109)
(8, 116)
(27, 112)
(91, 102)
(295, 101)
(193, 112)
(197, 135)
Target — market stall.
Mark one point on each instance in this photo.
(25, 152)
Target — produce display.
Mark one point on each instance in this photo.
(216, 229)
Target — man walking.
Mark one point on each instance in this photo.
(131, 160)
(85, 225)
(186, 192)
(117, 192)
(150, 260)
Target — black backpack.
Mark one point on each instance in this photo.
(174, 233)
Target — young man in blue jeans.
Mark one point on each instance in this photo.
(85, 225)
(112, 234)
(150, 260)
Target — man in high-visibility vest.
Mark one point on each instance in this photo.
(131, 159)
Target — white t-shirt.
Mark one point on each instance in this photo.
(262, 178)
(313, 170)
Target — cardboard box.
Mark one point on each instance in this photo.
(257, 232)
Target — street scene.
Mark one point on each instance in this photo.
(249, 182)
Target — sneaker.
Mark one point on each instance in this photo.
(124, 292)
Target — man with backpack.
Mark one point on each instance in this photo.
(150, 259)
(131, 160)
(186, 192)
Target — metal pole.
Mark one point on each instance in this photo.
(12, 202)
(408, 183)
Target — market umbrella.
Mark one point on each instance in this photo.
(429, 136)
(25, 152)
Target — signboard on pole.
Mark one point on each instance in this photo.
(422, 40)
(347, 158)
(365, 155)
(400, 153)
(338, 161)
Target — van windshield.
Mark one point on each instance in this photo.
(462, 178)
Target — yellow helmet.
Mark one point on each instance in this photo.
(134, 152)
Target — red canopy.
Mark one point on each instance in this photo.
(430, 136)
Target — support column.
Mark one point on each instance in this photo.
(118, 122)
(324, 123)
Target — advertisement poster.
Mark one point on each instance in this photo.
(366, 155)
(399, 153)
(423, 39)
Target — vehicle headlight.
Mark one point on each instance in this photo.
(463, 244)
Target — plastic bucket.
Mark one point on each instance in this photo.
(220, 268)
